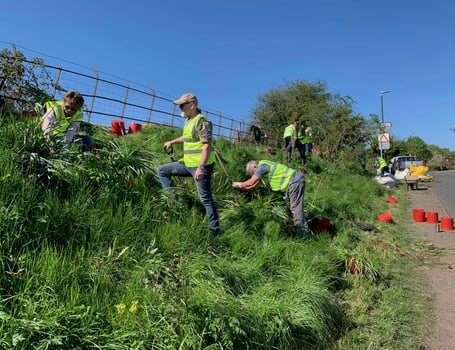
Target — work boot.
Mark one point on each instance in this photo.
(215, 232)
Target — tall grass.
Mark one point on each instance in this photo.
(93, 254)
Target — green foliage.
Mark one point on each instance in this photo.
(23, 83)
(335, 125)
(93, 254)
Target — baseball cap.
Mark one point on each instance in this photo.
(188, 97)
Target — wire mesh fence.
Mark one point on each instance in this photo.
(107, 100)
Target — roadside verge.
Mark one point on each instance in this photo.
(439, 272)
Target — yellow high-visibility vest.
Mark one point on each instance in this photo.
(192, 145)
(62, 122)
(279, 176)
(290, 131)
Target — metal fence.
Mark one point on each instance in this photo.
(107, 100)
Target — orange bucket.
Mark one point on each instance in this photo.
(432, 217)
(418, 215)
(446, 223)
(385, 217)
(118, 127)
(134, 127)
(391, 199)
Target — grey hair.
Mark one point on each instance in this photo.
(251, 164)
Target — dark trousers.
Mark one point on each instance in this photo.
(290, 146)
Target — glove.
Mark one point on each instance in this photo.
(237, 185)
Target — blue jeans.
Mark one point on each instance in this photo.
(167, 171)
(85, 142)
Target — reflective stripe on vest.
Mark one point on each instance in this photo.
(192, 145)
(62, 123)
(278, 177)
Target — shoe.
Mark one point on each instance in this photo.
(215, 233)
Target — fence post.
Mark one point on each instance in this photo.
(151, 105)
(219, 123)
(93, 96)
(173, 115)
(124, 102)
(231, 129)
(57, 79)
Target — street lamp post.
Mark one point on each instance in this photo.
(382, 104)
(382, 112)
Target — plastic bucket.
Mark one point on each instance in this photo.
(134, 127)
(118, 127)
(418, 215)
(391, 199)
(446, 223)
(322, 224)
(385, 217)
(432, 217)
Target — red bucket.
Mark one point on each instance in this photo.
(118, 127)
(391, 199)
(446, 223)
(322, 224)
(432, 217)
(385, 217)
(134, 127)
(418, 215)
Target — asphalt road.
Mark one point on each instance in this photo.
(443, 187)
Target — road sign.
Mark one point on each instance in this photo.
(384, 141)
(386, 126)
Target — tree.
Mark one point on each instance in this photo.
(331, 116)
(416, 146)
(23, 83)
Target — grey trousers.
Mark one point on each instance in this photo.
(296, 195)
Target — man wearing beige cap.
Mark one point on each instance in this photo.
(198, 158)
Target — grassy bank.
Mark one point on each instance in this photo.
(94, 254)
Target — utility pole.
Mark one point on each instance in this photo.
(382, 113)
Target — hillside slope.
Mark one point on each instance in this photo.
(95, 255)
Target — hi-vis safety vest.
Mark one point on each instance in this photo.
(192, 145)
(290, 131)
(308, 137)
(381, 163)
(279, 176)
(62, 122)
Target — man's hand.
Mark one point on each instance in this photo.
(237, 185)
(167, 145)
(199, 174)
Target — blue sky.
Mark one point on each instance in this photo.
(230, 52)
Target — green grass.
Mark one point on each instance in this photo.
(93, 254)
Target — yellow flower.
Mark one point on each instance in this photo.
(133, 307)
(120, 308)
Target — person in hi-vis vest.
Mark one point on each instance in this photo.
(292, 140)
(280, 178)
(62, 121)
(381, 165)
(198, 157)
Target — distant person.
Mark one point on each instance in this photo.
(307, 142)
(280, 178)
(381, 165)
(258, 134)
(198, 157)
(62, 121)
(292, 140)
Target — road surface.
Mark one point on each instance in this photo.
(443, 187)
